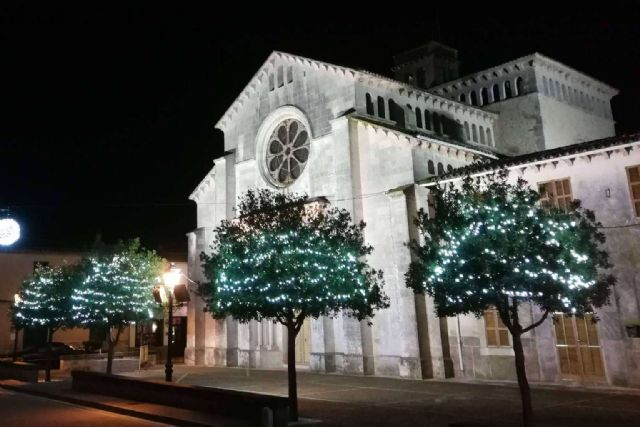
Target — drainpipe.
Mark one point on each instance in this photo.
(460, 346)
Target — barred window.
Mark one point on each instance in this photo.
(556, 194)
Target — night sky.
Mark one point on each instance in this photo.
(106, 116)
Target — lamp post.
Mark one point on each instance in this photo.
(16, 301)
(171, 279)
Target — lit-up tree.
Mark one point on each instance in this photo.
(491, 245)
(116, 289)
(287, 258)
(45, 301)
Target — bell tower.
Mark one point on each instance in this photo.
(426, 66)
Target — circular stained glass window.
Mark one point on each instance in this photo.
(287, 152)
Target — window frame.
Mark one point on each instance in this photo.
(633, 200)
(545, 198)
(496, 330)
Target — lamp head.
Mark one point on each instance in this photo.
(172, 277)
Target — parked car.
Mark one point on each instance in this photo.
(38, 354)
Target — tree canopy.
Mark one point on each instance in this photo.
(491, 242)
(286, 255)
(117, 285)
(45, 297)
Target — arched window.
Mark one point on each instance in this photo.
(558, 93)
(381, 107)
(519, 86)
(449, 168)
(495, 92)
(474, 133)
(440, 168)
(552, 90)
(466, 131)
(484, 96)
(582, 103)
(507, 89)
(489, 139)
(564, 93)
(396, 113)
(462, 98)
(431, 168)
(427, 120)
(474, 97)
(289, 74)
(481, 131)
(418, 117)
(545, 87)
(369, 105)
(436, 123)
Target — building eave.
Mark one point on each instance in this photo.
(569, 154)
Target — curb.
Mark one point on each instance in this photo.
(115, 409)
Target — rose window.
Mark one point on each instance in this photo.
(287, 152)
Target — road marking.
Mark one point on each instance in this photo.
(182, 377)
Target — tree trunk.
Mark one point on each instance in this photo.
(525, 392)
(291, 368)
(47, 370)
(112, 345)
(15, 345)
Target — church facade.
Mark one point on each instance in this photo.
(373, 145)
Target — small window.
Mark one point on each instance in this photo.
(633, 173)
(431, 168)
(369, 103)
(418, 118)
(484, 96)
(489, 139)
(381, 107)
(497, 332)
(481, 130)
(474, 133)
(466, 131)
(440, 169)
(545, 87)
(462, 98)
(427, 120)
(556, 194)
(289, 74)
(495, 92)
(507, 89)
(449, 168)
(474, 98)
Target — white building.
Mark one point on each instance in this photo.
(370, 144)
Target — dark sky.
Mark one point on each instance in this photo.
(106, 116)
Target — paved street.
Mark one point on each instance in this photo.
(18, 409)
(367, 401)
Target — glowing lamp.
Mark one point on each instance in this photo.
(9, 231)
(172, 277)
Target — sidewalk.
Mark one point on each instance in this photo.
(61, 390)
(340, 400)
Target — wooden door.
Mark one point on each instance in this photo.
(579, 348)
(303, 343)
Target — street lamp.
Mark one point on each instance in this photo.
(171, 279)
(16, 300)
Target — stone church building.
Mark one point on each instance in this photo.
(373, 145)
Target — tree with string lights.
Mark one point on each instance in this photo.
(491, 245)
(44, 300)
(116, 289)
(287, 258)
